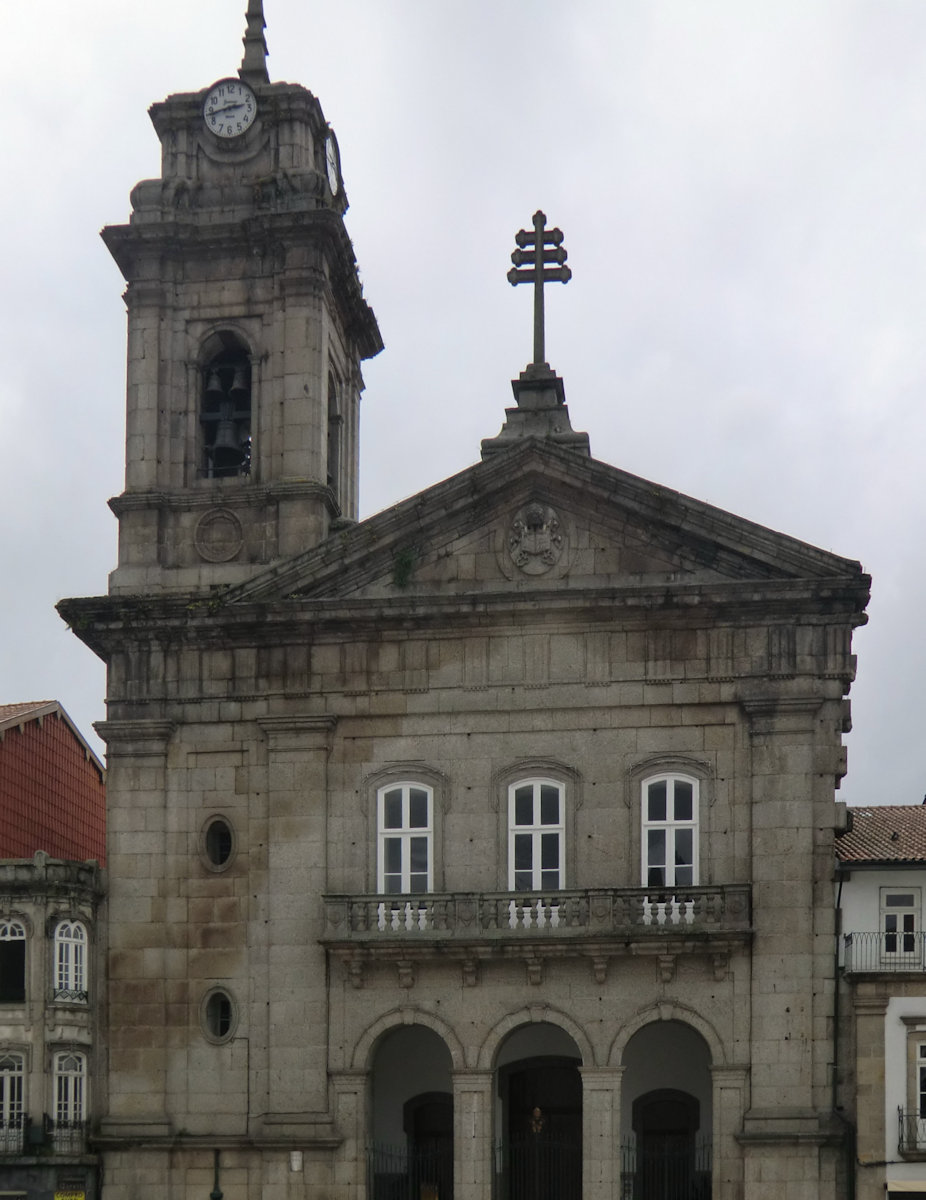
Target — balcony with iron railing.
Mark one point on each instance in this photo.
(911, 1134)
(889, 953)
(12, 1136)
(69, 1137)
(597, 922)
(21, 1135)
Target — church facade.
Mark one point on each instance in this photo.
(484, 847)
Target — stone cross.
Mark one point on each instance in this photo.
(539, 248)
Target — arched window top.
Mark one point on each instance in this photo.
(12, 931)
(225, 407)
(67, 1062)
(11, 1064)
(71, 931)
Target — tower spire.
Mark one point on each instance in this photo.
(253, 67)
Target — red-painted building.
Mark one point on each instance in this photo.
(52, 948)
(52, 786)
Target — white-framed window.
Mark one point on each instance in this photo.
(71, 961)
(12, 1102)
(900, 924)
(405, 839)
(70, 1080)
(669, 831)
(536, 835)
(12, 961)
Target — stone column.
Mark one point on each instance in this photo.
(473, 1160)
(601, 1132)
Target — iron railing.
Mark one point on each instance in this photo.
(69, 1137)
(891, 952)
(911, 1132)
(595, 912)
(401, 1173)
(538, 1168)
(11, 1136)
(670, 1169)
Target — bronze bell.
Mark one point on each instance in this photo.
(239, 387)
(227, 451)
(214, 386)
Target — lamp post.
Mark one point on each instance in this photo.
(216, 1193)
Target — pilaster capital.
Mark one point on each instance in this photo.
(135, 738)
(781, 714)
(298, 733)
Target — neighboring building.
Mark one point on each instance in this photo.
(478, 848)
(881, 892)
(52, 829)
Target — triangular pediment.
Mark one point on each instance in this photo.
(542, 517)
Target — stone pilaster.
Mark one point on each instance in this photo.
(297, 1009)
(601, 1132)
(139, 970)
(870, 1005)
(472, 1135)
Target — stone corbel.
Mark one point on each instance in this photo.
(534, 971)
(406, 970)
(600, 968)
(666, 967)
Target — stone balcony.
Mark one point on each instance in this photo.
(598, 924)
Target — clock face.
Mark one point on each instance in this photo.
(332, 164)
(229, 108)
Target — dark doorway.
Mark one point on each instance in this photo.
(669, 1164)
(428, 1123)
(542, 1101)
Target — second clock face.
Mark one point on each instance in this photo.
(230, 108)
(332, 164)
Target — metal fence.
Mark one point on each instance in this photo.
(892, 952)
(911, 1134)
(398, 1173)
(11, 1137)
(538, 1168)
(672, 1169)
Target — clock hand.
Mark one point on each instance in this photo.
(226, 108)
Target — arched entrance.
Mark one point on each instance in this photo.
(411, 1103)
(666, 1115)
(539, 1116)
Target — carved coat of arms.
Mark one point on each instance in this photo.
(535, 540)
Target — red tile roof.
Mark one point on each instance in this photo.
(52, 785)
(890, 833)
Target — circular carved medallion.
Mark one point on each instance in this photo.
(535, 539)
(219, 536)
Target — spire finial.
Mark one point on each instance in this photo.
(253, 67)
(540, 249)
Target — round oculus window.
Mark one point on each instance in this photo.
(218, 843)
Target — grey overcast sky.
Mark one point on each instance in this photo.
(742, 187)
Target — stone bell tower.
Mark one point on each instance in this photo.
(247, 327)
